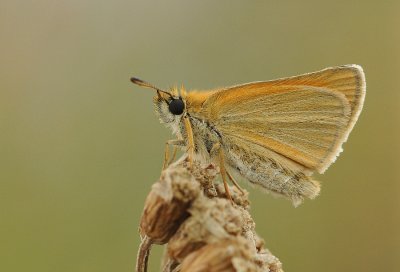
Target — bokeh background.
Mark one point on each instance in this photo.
(80, 146)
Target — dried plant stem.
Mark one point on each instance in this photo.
(201, 228)
(143, 254)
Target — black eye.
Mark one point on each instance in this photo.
(176, 106)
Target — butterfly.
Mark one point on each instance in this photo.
(274, 134)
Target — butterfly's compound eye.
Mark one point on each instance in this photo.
(176, 106)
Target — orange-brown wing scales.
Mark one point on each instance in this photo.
(299, 123)
(348, 80)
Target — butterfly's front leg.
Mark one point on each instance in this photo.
(175, 143)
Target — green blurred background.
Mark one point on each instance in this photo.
(80, 146)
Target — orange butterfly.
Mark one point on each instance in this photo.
(273, 133)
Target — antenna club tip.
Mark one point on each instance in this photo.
(147, 85)
(136, 80)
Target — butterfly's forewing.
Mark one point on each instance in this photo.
(304, 119)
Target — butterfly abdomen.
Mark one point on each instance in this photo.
(272, 176)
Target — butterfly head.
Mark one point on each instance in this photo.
(170, 105)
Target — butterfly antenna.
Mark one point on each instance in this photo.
(148, 85)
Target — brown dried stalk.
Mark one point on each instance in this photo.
(202, 229)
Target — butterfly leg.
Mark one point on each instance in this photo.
(216, 151)
(175, 143)
(189, 134)
(174, 151)
(223, 172)
(234, 182)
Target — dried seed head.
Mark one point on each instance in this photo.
(226, 255)
(167, 203)
(211, 220)
(203, 229)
